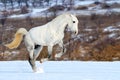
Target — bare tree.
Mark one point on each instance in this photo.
(33, 3)
(71, 3)
(3, 18)
(4, 2)
(11, 1)
(48, 2)
(29, 20)
(2, 21)
(19, 2)
(56, 2)
(26, 2)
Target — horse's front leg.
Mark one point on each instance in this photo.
(63, 50)
(50, 52)
(49, 55)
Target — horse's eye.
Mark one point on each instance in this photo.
(73, 21)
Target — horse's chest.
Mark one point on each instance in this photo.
(56, 38)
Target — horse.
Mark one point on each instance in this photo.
(49, 34)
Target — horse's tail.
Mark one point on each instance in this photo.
(17, 39)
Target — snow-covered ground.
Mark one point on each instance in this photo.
(65, 70)
(60, 70)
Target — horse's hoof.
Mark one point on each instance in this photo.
(34, 69)
(43, 60)
(58, 55)
(39, 70)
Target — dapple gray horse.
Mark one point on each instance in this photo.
(49, 35)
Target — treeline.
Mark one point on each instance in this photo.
(33, 3)
(21, 3)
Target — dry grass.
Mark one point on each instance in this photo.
(99, 47)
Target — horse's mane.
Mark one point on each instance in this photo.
(58, 18)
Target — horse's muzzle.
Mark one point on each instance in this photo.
(75, 32)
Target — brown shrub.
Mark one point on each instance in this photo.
(24, 10)
(81, 8)
(109, 53)
(96, 48)
(56, 8)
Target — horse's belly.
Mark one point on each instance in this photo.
(49, 41)
(46, 42)
(39, 41)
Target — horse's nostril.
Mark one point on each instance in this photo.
(75, 32)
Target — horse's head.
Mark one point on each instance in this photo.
(73, 24)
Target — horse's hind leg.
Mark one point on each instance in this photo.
(31, 58)
(30, 47)
(37, 52)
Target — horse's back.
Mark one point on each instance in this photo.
(37, 34)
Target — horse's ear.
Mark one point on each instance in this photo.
(73, 14)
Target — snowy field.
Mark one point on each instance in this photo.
(60, 70)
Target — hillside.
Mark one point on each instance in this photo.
(99, 29)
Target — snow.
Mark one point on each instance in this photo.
(111, 29)
(83, 3)
(113, 1)
(60, 70)
(37, 10)
(20, 16)
(112, 35)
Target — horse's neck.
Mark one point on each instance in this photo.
(60, 25)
